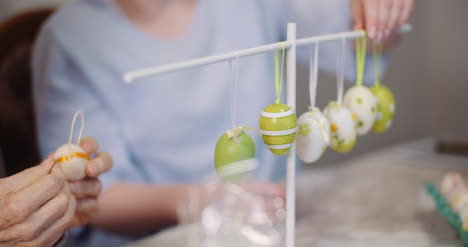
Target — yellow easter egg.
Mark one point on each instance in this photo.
(72, 160)
(385, 108)
(278, 124)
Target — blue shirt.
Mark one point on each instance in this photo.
(163, 130)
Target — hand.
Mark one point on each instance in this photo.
(88, 190)
(35, 207)
(381, 18)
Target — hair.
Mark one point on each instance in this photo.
(18, 140)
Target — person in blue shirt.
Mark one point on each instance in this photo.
(162, 131)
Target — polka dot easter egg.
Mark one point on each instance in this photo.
(278, 124)
(313, 135)
(234, 155)
(363, 104)
(72, 160)
(342, 127)
(385, 108)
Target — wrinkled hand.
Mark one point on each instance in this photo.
(35, 207)
(381, 18)
(88, 190)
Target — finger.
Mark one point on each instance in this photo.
(38, 222)
(356, 10)
(385, 8)
(394, 16)
(100, 164)
(28, 200)
(89, 145)
(265, 189)
(57, 229)
(371, 11)
(407, 9)
(87, 207)
(27, 177)
(86, 188)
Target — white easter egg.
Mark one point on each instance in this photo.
(72, 160)
(313, 135)
(342, 127)
(361, 101)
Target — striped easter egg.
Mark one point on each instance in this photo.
(278, 124)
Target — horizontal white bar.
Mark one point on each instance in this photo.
(138, 74)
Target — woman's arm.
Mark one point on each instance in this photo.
(135, 209)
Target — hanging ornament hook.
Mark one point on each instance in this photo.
(81, 114)
(361, 50)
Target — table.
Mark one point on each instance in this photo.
(377, 199)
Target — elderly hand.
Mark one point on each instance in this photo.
(380, 17)
(35, 207)
(88, 190)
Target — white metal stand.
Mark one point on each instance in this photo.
(290, 45)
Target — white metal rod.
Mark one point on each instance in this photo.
(135, 75)
(291, 159)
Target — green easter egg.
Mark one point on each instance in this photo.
(385, 108)
(278, 124)
(235, 156)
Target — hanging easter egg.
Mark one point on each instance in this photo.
(385, 108)
(278, 127)
(342, 127)
(363, 104)
(313, 135)
(72, 160)
(234, 155)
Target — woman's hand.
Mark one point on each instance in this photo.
(35, 207)
(88, 190)
(380, 18)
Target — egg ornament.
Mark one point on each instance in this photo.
(361, 101)
(313, 135)
(278, 125)
(385, 108)
(234, 155)
(342, 127)
(72, 160)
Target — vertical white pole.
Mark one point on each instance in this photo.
(291, 160)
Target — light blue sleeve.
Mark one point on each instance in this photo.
(61, 87)
(320, 17)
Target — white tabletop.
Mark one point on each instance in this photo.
(374, 200)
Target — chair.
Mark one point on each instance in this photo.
(18, 140)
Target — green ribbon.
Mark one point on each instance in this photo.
(377, 51)
(361, 47)
(278, 74)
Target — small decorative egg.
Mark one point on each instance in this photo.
(72, 160)
(451, 182)
(385, 108)
(342, 127)
(313, 135)
(361, 101)
(234, 155)
(278, 124)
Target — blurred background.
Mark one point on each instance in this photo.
(426, 73)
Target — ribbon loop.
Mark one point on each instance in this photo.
(81, 114)
(340, 71)
(361, 47)
(377, 51)
(278, 74)
(313, 75)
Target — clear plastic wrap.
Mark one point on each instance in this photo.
(232, 215)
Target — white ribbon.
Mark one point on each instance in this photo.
(81, 114)
(313, 75)
(340, 71)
